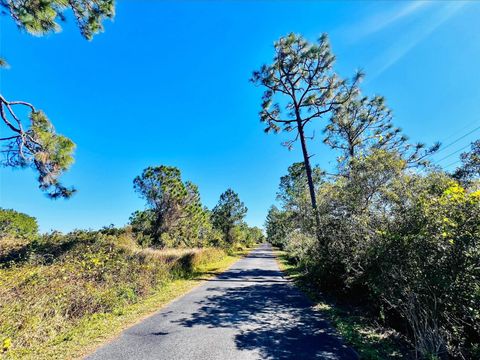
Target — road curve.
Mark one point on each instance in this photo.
(248, 312)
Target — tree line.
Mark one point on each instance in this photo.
(175, 216)
(387, 228)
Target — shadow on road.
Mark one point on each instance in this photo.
(273, 318)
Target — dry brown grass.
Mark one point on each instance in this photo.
(82, 276)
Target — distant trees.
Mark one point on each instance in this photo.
(34, 142)
(278, 225)
(175, 215)
(252, 235)
(17, 225)
(300, 87)
(293, 194)
(229, 212)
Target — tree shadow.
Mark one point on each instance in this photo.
(271, 316)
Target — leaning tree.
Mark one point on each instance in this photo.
(301, 87)
(31, 140)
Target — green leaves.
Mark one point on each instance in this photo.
(278, 224)
(300, 84)
(176, 217)
(469, 171)
(39, 17)
(38, 146)
(17, 225)
(361, 124)
(408, 242)
(54, 152)
(228, 212)
(301, 87)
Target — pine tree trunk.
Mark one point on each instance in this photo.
(157, 230)
(308, 169)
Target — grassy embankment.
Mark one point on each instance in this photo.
(62, 297)
(368, 338)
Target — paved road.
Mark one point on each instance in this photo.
(248, 312)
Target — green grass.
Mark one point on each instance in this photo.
(369, 339)
(64, 298)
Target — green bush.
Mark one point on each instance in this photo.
(17, 225)
(405, 243)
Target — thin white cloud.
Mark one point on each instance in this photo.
(384, 19)
(416, 34)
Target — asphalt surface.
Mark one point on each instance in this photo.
(248, 312)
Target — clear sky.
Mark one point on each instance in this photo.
(167, 83)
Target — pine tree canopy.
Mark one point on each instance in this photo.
(175, 215)
(38, 146)
(361, 124)
(39, 17)
(228, 212)
(301, 84)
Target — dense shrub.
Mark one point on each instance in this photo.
(406, 243)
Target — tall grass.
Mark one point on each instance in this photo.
(51, 285)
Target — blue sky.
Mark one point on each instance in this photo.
(167, 83)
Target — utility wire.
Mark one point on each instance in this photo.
(457, 140)
(453, 163)
(459, 131)
(453, 153)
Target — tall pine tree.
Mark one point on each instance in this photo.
(301, 87)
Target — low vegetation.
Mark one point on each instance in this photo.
(371, 339)
(52, 286)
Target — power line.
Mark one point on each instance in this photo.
(453, 163)
(459, 131)
(453, 153)
(457, 140)
(453, 143)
